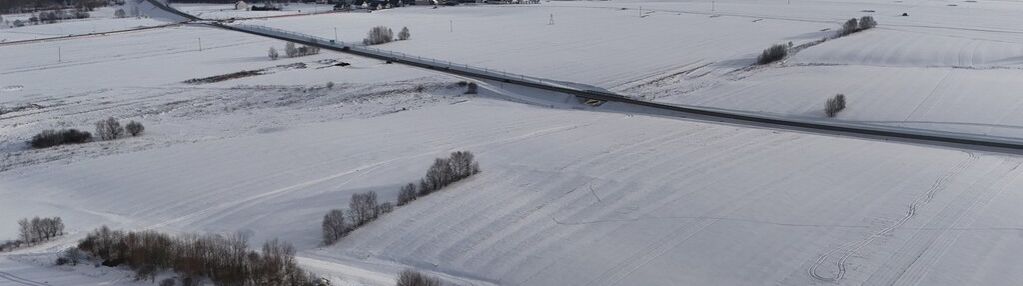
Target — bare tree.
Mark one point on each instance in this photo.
(273, 53)
(411, 277)
(378, 35)
(363, 207)
(404, 34)
(290, 50)
(850, 26)
(134, 128)
(109, 129)
(334, 227)
(407, 194)
(834, 105)
(25, 232)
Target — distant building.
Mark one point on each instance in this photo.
(241, 5)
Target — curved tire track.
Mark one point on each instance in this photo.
(854, 247)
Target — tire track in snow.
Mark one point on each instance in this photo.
(854, 247)
(682, 233)
(19, 280)
(920, 250)
(234, 206)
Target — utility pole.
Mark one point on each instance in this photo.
(451, 24)
(200, 44)
(59, 56)
(335, 35)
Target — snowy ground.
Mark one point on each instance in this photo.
(100, 21)
(948, 66)
(566, 197)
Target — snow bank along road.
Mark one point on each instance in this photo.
(903, 134)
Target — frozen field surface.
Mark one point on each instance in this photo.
(569, 194)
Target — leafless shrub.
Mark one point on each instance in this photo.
(773, 54)
(222, 260)
(109, 129)
(73, 255)
(867, 22)
(384, 208)
(50, 138)
(404, 34)
(850, 26)
(411, 277)
(134, 128)
(272, 53)
(378, 35)
(472, 88)
(834, 105)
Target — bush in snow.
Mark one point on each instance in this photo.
(867, 22)
(273, 54)
(773, 54)
(850, 26)
(74, 255)
(407, 194)
(404, 34)
(120, 13)
(834, 105)
(384, 208)
(50, 138)
(411, 277)
(292, 51)
(378, 35)
(167, 282)
(134, 128)
(109, 129)
(334, 227)
(330, 84)
(471, 88)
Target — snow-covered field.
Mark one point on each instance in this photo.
(569, 194)
(100, 21)
(915, 71)
(228, 11)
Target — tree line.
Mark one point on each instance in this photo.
(39, 229)
(363, 207)
(224, 261)
(15, 6)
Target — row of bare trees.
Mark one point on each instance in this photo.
(225, 261)
(364, 208)
(39, 229)
(444, 171)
